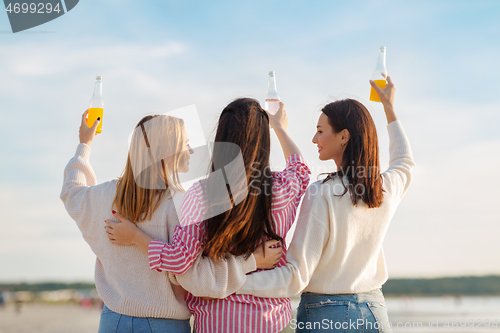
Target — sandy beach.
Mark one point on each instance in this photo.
(449, 311)
(43, 318)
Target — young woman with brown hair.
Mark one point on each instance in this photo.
(336, 257)
(137, 299)
(254, 206)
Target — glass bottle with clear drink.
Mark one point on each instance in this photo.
(379, 74)
(96, 107)
(272, 99)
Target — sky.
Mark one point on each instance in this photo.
(156, 57)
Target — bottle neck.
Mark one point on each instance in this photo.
(380, 69)
(272, 83)
(98, 90)
(381, 59)
(272, 91)
(96, 100)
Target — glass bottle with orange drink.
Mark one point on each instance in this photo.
(96, 107)
(379, 75)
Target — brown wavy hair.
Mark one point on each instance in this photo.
(360, 160)
(240, 229)
(155, 154)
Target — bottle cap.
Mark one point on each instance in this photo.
(382, 48)
(98, 77)
(271, 72)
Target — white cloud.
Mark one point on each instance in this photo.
(53, 59)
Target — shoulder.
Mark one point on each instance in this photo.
(177, 197)
(316, 204)
(327, 194)
(295, 177)
(193, 205)
(195, 192)
(332, 187)
(318, 194)
(295, 163)
(107, 188)
(314, 190)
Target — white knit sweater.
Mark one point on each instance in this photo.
(122, 275)
(337, 247)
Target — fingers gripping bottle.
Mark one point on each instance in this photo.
(379, 75)
(272, 99)
(96, 107)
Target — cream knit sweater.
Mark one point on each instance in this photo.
(337, 247)
(122, 275)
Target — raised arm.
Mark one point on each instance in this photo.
(279, 122)
(311, 235)
(386, 96)
(78, 192)
(398, 177)
(289, 186)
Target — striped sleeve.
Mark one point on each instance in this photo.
(178, 256)
(292, 181)
(289, 186)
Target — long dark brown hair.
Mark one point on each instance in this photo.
(243, 125)
(360, 160)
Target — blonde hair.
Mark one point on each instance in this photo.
(156, 152)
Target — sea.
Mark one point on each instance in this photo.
(442, 314)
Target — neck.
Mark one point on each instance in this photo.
(338, 163)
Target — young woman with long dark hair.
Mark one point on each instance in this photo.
(336, 258)
(256, 205)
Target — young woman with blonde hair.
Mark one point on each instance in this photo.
(137, 299)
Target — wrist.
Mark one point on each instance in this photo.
(388, 108)
(142, 240)
(137, 237)
(390, 114)
(279, 129)
(249, 264)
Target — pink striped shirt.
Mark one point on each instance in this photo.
(235, 313)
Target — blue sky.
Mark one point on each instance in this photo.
(443, 57)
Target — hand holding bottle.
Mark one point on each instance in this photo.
(87, 134)
(386, 96)
(279, 120)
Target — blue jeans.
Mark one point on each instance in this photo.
(349, 313)
(112, 322)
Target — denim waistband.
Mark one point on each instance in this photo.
(374, 295)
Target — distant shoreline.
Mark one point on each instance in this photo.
(422, 287)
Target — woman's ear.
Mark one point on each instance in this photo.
(345, 136)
